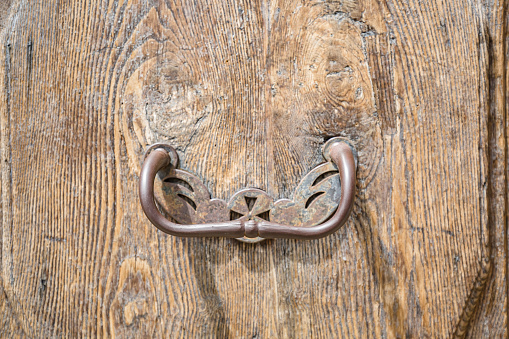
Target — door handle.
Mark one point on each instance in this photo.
(161, 156)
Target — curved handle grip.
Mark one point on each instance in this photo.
(340, 153)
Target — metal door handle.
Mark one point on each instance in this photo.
(161, 156)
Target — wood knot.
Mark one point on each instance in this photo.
(134, 308)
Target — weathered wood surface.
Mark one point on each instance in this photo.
(491, 312)
(248, 91)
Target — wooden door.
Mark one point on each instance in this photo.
(248, 91)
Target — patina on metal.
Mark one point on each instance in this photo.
(321, 202)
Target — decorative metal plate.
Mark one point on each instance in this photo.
(185, 198)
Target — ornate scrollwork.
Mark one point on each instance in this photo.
(187, 200)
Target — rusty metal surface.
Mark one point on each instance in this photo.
(185, 199)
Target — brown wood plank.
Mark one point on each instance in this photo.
(247, 91)
(486, 314)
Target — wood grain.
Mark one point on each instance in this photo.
(5, 9)
(248, 91)
(490, 317)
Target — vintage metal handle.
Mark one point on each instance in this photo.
(159, 158)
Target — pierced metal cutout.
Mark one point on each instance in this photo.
(325, 195)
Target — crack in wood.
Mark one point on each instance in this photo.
(474, 299)
(485, 274)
